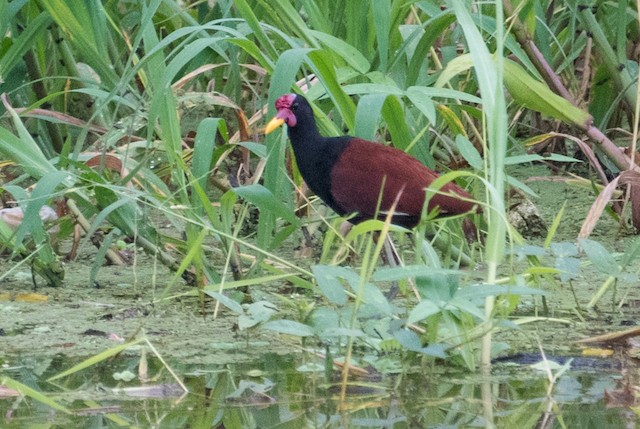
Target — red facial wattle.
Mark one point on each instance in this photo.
(287, 116)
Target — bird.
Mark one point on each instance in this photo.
(361, 178)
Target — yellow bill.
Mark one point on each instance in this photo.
(273, 125)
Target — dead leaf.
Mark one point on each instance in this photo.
(597, 208)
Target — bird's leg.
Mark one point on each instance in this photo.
(391, 257)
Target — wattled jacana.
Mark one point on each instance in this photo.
(348, 173)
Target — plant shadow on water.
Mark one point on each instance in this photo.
(277, 392)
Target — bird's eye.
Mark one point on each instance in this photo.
(294, 106)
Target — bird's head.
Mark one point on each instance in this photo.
(287, 106)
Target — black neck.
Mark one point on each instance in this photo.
(304, 131)
(316, 156)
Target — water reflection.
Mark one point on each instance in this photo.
(272, 393)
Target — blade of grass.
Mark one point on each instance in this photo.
(32, 393)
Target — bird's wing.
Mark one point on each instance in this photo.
(357, 177)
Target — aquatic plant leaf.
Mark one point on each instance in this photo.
(256, 313)
(411, 341)
(408, 339)
(568, 267)
(328, 279)
(564, 249)
(289, 327)
(375, 304)
(424, 309)
(468, 307)
(341, 332)
(387, 274)
(226, 301)
(632, 252)
(528, 250)
(600, 257)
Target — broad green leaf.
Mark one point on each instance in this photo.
(632, 252)
(436, 350)
(443, 93)
(375, 303)
(226, 301)
(408, 339)
(453, 121)
(328, 279)
(469, 152)
(203, 148)
(536, 95)
(528, 250)
(523, 159)
(257, 312)
(569, 268)
(460, 64)
(262, 198)
(372, 88)
(382, 21)
(284, 73)
(348, 53)
(600, 257)
(424, 309)
(467, 307)
(368, 115)
(320, 63)
(395, 118)
(258, 149)
(433, 29)
(563, 249)
(422, 102)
